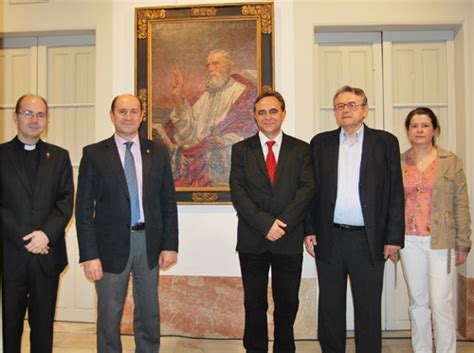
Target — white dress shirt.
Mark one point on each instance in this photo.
(348, 209)
(276, 146)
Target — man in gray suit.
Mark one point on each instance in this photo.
(126, 219)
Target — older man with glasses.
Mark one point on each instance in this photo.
(356, 221)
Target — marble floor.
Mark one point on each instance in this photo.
(80, 338)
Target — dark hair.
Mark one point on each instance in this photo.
(431, 115)
(22, 98)
(354, 90)
(112, 106)
(271, 93)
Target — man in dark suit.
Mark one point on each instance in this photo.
(126, 219)
(37, 194)
(271, 184)
(357, 221)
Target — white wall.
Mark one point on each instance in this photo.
(208, 232)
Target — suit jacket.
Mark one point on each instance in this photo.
(380, 190)
(48, 207)
(258, 204)
(103, 205)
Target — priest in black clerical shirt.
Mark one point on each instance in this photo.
(36, 203)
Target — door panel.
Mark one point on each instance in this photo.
(16, 79)
(348, 59)
(70, 90)
(419, 74)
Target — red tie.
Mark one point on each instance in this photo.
(271, 162)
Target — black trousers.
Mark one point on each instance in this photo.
(26, 286)
(286, 278)
(351, 259)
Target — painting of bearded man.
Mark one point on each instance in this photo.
(204, 120)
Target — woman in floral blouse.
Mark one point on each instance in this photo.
(437, 228)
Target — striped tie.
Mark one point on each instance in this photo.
(131, 176)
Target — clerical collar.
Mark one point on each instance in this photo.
(26, 146)
(29, 147)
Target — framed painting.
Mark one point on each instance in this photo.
(198, 71)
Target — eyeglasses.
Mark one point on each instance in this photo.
(350, 106)
(29, 114)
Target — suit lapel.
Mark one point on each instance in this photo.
(367, 148)
(45, 158)
(285, 150)
(333, 159)
(257, 155)
(18, 166)
(145, 149)
(113, 159)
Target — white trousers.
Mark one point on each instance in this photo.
(430, 288)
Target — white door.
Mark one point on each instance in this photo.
(418, 71)
(348, 59)
(398, 71)
(18, 74)
(61, 69)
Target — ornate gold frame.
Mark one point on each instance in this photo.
(146, 18)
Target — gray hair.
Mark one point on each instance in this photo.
(224, 53)
(354, 90)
